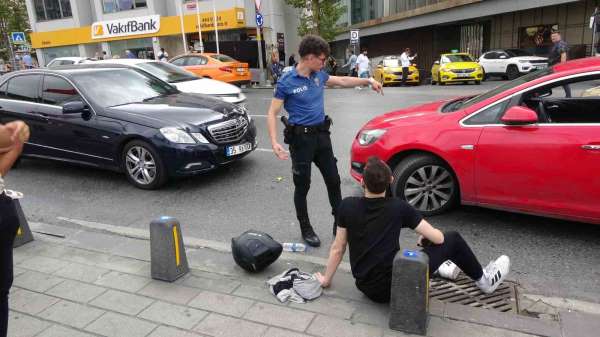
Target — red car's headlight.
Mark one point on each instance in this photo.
(368, 137)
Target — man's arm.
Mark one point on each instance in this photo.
(274, 110)
(563, 57)
(18, 133)
(429, 232)
(336, 253)
(349, 82)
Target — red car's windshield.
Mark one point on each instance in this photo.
(507, 86)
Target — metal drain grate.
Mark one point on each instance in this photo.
(464, 291)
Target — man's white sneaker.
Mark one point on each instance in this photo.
(494, 274)
(449, 270)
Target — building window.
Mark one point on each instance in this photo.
(52, 9)
(112, 6)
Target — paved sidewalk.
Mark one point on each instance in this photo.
(98, 284)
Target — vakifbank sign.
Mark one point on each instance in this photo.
(126, 27)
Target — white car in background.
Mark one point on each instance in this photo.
(184, 80)
(65, 61)
(511, 63)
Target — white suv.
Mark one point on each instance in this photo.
(511, 63)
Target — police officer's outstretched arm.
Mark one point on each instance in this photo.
(274, 110)
(349, 82)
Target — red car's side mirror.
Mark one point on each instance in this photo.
(519, 115)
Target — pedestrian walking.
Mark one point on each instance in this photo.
(351, 64)
(292, 60)
(371, 225)
(129, 54)
(558, 53)
(163, 55)
(307, 131)
(12, 137)
(27, 61)
(405, 60)
(363, 64)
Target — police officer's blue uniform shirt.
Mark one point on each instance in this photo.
(303, 97)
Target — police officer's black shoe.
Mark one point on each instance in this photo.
(309, 235)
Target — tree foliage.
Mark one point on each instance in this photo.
(319, 17)
(13, 16)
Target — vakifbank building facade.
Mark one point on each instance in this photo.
(87, 28)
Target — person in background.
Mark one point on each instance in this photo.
(13, 136)
(27, 61)
(292, 60)
(163, 55)
(405, 60)
(129, 54)
(351, 64)
(371, 225)
(363, 66)
(558, 53)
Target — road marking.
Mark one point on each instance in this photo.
(190, 242)
(264, 150)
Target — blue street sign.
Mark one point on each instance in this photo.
(259, 20)
(18, 37)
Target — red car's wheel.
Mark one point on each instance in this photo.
(426, 183)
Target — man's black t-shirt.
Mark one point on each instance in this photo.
(373, 226)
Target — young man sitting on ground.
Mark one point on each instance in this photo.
(371, 226)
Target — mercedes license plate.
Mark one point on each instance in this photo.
(237, 149)
(463, 75)
(241, 70)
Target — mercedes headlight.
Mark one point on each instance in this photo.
(444, 69)
(368, 137)
(523, 61)
(177, 136)
(200, 138)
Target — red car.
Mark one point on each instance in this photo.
(531, 145)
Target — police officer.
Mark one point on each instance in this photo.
(300, 91)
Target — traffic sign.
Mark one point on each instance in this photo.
(18, 37)
(354, 36)
(259, 20)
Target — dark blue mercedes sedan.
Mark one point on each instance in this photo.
(123, 119)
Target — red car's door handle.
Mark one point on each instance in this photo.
(590, 147)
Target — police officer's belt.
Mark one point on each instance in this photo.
(301, 129)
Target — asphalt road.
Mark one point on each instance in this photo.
(550, 257)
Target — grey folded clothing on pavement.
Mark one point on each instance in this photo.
(295, 286)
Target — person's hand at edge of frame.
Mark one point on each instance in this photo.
(20, 131)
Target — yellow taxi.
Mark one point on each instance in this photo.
(389, 71)
(456, 67)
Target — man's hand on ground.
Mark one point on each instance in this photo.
(324, 283)
(280, 152)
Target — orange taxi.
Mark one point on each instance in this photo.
(216, 66)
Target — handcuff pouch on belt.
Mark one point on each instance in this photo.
(291, 130)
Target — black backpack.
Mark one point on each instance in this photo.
(255, 250)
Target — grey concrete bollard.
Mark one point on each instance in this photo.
(23, 233)
(167, 252)
(409, 303)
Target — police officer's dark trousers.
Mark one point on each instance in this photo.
(9, 224)
(306, 148)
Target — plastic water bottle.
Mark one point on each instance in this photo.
(294, 247)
